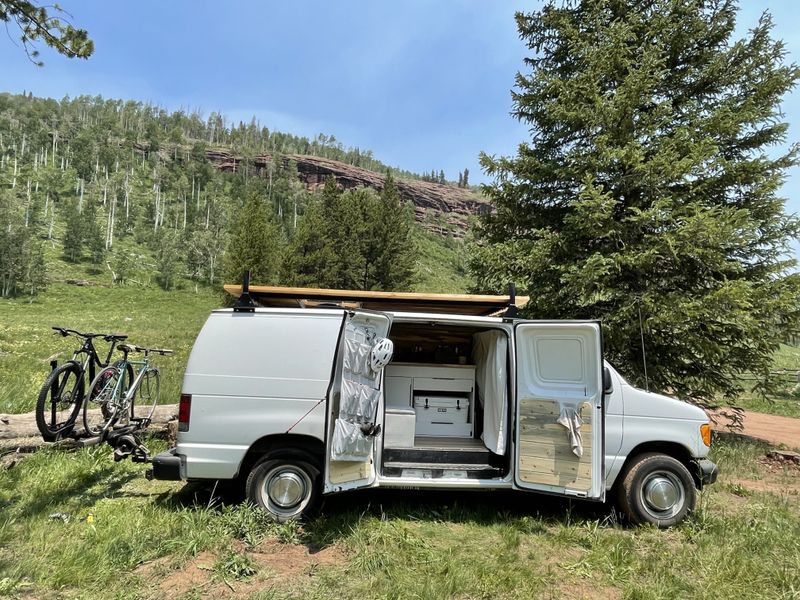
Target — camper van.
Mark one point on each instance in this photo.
(299, 393)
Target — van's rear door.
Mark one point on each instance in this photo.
(559, 433)
(355, 404)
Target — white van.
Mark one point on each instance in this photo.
(294, 404)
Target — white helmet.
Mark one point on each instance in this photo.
(381, 354)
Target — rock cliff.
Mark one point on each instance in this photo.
(440, 208)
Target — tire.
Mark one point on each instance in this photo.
(286, 488)
(59, 401)
(103, 394)
(656, 489)
(143, 405)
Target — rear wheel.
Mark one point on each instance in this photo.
(102, 400)
(286, 488)
(143, 405)
(59, 402)
(657, 489)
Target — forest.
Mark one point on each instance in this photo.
(126, 189)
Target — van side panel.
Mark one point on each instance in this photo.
(252, 375)
(655, 419)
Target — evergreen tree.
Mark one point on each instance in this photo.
(95, 239)
(167, 259)
(647, 188)
(73, 234)
(309, 255)
(35, 24)
(254, 244)
(123, 266)
(34, 277)
(465, 179)
(394, 254)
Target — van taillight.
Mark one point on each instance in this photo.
(184, 408)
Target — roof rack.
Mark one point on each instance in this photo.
(300, 297)
(245, 302)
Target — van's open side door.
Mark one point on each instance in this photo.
(559, 386)
(355, 405)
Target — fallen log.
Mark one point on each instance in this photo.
(19, 431)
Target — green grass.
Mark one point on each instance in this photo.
(742, 542)
(151, 317)
(787, 401)
(441, 263)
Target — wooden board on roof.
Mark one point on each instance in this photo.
(462, 304)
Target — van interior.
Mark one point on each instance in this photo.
(446, 402)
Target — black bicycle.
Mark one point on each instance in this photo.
(61, 396)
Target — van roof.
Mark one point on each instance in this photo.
(458, 304)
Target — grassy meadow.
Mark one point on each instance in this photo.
(77, 525)
(150, 316)
(787, 401)
(74, 524)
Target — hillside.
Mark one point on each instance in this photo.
(126, 193)
(433, 202)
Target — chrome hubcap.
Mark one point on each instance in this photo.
(286, 489)
(661, 493)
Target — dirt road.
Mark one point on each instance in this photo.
(770, 428)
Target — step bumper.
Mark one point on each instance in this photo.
(168, 466)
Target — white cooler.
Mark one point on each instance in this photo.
(445, 416)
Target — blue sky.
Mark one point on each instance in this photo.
(423, 84)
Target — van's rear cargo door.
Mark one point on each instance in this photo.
(559, 433)
(355, 404)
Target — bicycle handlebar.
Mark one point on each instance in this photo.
(108, 337)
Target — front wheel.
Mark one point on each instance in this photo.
(657, 489)
(59, 401)
(102, 400)
(286, 488)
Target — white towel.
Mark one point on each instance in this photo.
(570, 419)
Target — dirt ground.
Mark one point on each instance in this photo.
(770, 428)
(275, 564)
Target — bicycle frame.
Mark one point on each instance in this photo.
(91, 360)
(122, 404)
(92, 357)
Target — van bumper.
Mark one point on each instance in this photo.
(707, 471)
(168, 466)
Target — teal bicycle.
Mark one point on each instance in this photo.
(113, 402)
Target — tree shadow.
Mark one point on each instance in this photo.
(339, 515)
(196, 494)
(33, 506)
(342, 512)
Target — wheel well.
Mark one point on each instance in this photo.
(286, 444)
(673, 449)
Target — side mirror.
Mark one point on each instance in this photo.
(608, 385)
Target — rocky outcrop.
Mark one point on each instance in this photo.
(440, 208)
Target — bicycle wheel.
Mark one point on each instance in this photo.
(59, 401)
(148, 394)
(102, 401)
